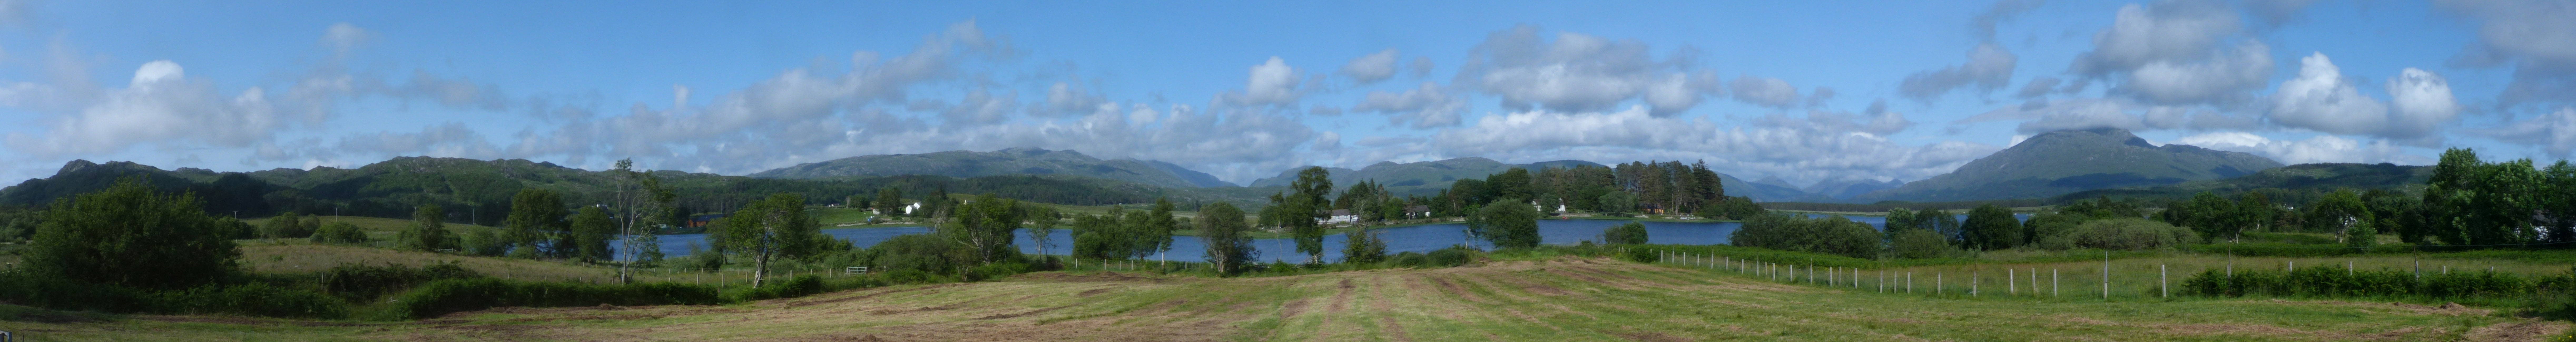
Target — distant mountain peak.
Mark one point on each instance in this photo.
(2065, 161)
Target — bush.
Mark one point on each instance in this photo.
(2129, 234)
(2294, 250)
(799, 286)
(455, 295)
(253, 299)
(2337, 282)
(340, 233)
(1363, 247)
(912, 277)
(359, 283)
(1449, 257)
(1920, 244)
(1411, 259)
(1631, 233)
(31, 289)
(1830, 235)
(919, 252)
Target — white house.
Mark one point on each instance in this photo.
(907, 209)
(1340, 216)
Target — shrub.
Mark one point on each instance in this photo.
(253, 299)
(1411, 259)
(2132, 235)
(799, 286)
(340, 233)
(1643, 255)
(1631, 233)
(358, 282)
(1830, 235)
(1920, 244)
(920, 252)
(1449, 257)
(2337, 282)
(1363, 247)
(454, 295)
(31, 289)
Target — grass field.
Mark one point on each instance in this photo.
(1524, 298)
(381, 229)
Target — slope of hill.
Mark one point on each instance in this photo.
(2316, 177)
(2060, 162)
(1766, 192)
(1420, 178)
(1015, 161)
(1843, 189)
(480, 191)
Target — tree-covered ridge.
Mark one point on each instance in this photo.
(1016, 161)
(2316, 178)
(1419, 178)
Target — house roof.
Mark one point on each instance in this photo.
(1418, 208)
(1341, 212)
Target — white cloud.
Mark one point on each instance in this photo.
(2044, 116)
(2223, 76)
(1426, 106)
(1989, 67)
(160, 105)
(1764, 91)
(1272, 82)
(2322, 99)
(1372, 67)
(1581, 73)
(2318, 149)
(2163, 31)
(2554, 132)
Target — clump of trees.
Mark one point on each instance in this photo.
(1631, 233)
(1830, 235)
(1667, 187)
(1506, 224)
(1124, 234)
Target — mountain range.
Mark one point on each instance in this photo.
(1417, 178)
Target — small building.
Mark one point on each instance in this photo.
(701, 221)
(1417, 212)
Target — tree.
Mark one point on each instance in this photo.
(1617, 202)
(485, 241)
(1363, 247)
(2558, 202)
(1228, 238)
(2343, 213)
(428, 232)
(2208, 214)
(1042, 222)
(1918, 244)
(889, 201)
(1831, 235)
(1631, 233)
(591, 230)
(984, 226)
(1155, 235)
(1302, 206)
(2254, 212)
(536, 221)
(128, 235)
(769, 229)
(1100, 236)
(1506, 223)
(640, 198)
(1992, 227)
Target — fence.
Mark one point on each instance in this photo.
(2107, 278)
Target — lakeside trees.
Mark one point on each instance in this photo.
(1228, 237)
(1506, 223)
(770, 229)
(537, 225)
(128, 235)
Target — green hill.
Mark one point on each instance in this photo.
(2061, 162)
(1016, 161)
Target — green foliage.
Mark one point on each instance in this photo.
(2470, 202)
(1227, 236)
(2054, 231)
(2294, 250)
(1731, 208)
(1643, 255)
(340, 233)
(485, 241)
(360, 282)
(2343, 213)
(1831, 235)
(1618, 202)
(985, 226)
(2131, 235)
(1301, 207)
(287, 226)
(454, 295)
(1631, 233)
(2338, 282)
(1920, 244)
(1506, 223)
(775, 228)
(537, 220)
(1448, 257)
(1991, 227)
(798, 286)
(252, 299)
(924, 253)
(591, 231)
(1363, 247)
(127, 235)
(428, 232)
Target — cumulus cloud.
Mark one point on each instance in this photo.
(160, 104)
(2044, 116)
(1989, 67)
(1581, 73)
(1272, 82)
(2318, 149)
(1426, 106)
(2038, 87)
(1983, 25)
(1765, 91)
(2534, 36)
(2554, 132)
(1817, 147)
(1372, 67)
(2175, 52)
(2322, 99)
(1066, 98)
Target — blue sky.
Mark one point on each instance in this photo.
(1806, 91)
